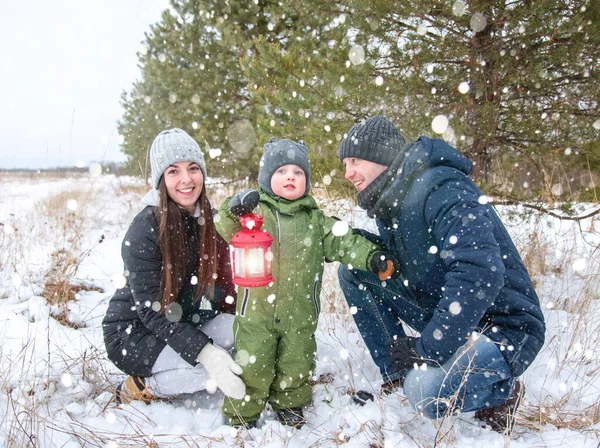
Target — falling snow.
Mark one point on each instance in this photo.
(478, 22)
(356, 55)
(439, 124)
(340, 228)
(61, 373)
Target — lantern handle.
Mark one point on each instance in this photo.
(262, 214)
(254, 219)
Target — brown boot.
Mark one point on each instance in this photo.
(132, 389)
(502, 417)
(392, 386)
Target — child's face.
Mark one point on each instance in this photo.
(289, 182)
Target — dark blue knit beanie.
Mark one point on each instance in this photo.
(376, 140)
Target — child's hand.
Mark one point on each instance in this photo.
(385, 265)
(244, 202)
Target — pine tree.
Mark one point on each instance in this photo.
(516, 81)
(191, 80)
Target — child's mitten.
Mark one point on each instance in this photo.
(244, 202)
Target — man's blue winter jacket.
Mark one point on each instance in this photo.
(457, 257)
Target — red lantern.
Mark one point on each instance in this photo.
(252, 255)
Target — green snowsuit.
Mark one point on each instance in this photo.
(275, 325)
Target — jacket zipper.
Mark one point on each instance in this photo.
(278, 229)
(314, 295)
(409, 184)
(244, 302)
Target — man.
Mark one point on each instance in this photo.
(463, 285)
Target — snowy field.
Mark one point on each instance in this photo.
(55, 381)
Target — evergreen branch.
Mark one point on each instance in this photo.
(325, 98)
(545, 210)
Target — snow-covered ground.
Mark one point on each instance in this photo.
(55, 382)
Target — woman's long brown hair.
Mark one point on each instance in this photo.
(174, 247)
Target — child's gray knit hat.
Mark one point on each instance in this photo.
(172, 146)
(278, 153)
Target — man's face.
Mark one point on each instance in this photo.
(361, 172)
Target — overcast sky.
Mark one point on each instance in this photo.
(63, 66)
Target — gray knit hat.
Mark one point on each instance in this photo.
(278, 153)
(376, 140)
(172, 146)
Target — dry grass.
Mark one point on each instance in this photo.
(560, 416)
(15, 176)
(58, 232)
(64, 213)
(134, 189)
(12, 242)
(63, 229)
(571, 284)
(535, 255)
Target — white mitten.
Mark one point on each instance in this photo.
(223, 370)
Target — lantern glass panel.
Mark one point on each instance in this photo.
(268, 258)
(256, 262)
(240, 262)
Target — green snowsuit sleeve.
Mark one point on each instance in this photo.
(350, 248)
(226, 223)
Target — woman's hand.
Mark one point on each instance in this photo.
(223, 370)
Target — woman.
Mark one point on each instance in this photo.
(156, 328)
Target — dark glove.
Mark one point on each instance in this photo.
(403, 354)
(244, 202)
(385, 265)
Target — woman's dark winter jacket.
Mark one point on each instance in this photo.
(457, 256)
(135, 329)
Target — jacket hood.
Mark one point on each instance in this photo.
(151, 198)
(430, 153)
(425, 153)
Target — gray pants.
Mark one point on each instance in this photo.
(172, 376)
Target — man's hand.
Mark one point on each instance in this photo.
(385, 265)
(244, 202)
(403, 354)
